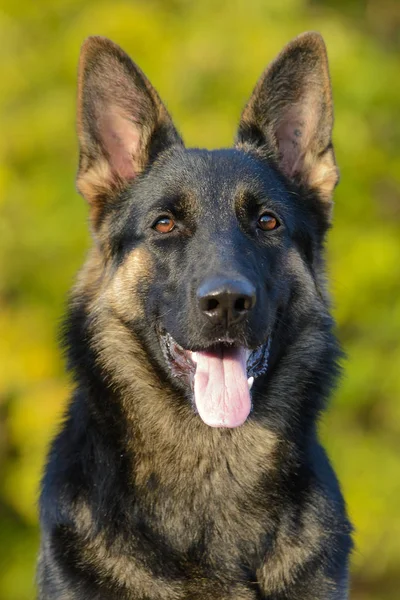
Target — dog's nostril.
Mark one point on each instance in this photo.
(242, 304)
(212, 304)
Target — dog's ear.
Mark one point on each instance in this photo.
(122, 123)
(289, 116)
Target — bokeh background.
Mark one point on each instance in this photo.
(204, 57)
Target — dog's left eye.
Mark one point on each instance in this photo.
(164, 225)
(268, 222)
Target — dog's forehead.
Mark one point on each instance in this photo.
(213, 175)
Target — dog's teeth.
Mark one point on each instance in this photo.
(250, 382)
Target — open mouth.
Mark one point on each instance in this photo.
(220, 377)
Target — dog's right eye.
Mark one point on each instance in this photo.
(268, 222)
(164, 225)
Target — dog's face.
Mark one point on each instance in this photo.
(208, 246)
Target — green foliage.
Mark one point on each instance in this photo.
(204, 58)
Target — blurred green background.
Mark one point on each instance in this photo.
(204, 58)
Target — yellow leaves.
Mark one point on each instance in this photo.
(371, 270)
(33, 398)
(28, 353)
(33, 419)
(368, 468)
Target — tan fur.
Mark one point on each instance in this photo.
(323, 175)
(91, 275)
(95, 180)
(111, 561)
(122, 293)
(96, 183)
(291, 553)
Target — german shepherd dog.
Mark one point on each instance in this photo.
(200, 339)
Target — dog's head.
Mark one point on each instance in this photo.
(207, 251)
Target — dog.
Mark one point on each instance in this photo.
(202, 347)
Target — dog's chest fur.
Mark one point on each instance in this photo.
(178, 499)
(200, 513)
(197, 487)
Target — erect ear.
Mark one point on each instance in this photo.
(289, 116)
(122, 123)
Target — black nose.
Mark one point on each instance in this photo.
(226, 301)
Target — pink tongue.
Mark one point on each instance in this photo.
(221, 391)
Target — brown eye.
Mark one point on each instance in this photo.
(164, 225)
(268, 222)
